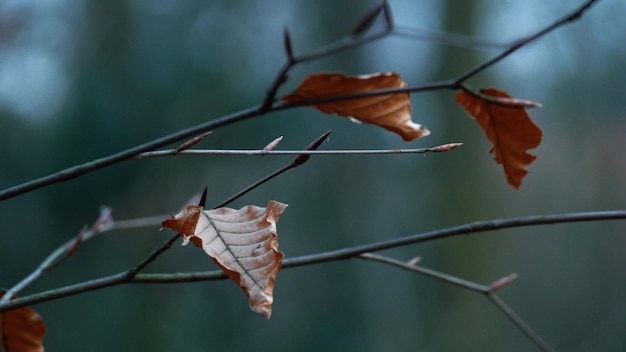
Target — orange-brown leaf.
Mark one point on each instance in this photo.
(510, 129)
(390, 111)
(21, 330)
(243, 243)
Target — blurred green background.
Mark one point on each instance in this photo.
(81, 80)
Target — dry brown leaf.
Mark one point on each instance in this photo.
(510, 129)
(390, 111)
(243, 243)
(21, 330)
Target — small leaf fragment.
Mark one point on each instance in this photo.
(389, 111)
(243, 243)
(510, 130)
(21, 330)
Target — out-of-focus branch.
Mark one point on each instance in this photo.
(455, 40)
(488, 291)
(569, 18)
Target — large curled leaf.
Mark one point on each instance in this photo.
(509, 128)
(21, 330)
(243, 243)
(390, 111)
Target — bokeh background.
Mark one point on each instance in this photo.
(81, 80)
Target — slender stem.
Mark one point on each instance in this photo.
(339, 254)
(449, 39)
(102, 224)
(293, 60)
(486, 290)
(281, 78)
(428, 272)
(530, 333)
(79, 170)
(37, 273)
(139, 222)
(155, 253)
(301, 158)
(571, 17)
(261, 152)
(341, 44)
(298, 160)
(256, 184)
(466, 229)
(449, 84)
(106, 223)
(269, 106)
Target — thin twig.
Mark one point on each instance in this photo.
(268, 105)
(79, 170)
(263, 152)
(538, 340)
(293, 60)
(488, 291)
(297, 161)
(334, 255)
(155, 253)
(104, 223)
(571, 17)
(442, 85)
(455, 40)
(139, 222)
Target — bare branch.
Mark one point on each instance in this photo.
(339, 254)
(488, 291)
(571, 17)
(269, 106)
(104, 223)
(79, 170)
(297, 161)
(263, 152)
(449, 39)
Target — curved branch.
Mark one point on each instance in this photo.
(338, 254)
(571, 17)
(269, 106)
(488, 291)
(97, 164)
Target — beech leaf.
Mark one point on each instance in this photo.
(21, 330)
(389, 111)
(509, 128)
(243, 243)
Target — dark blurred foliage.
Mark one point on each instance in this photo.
(81, 80)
